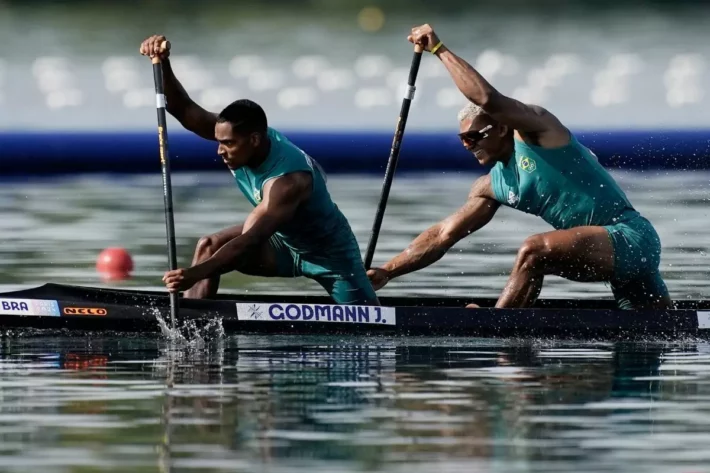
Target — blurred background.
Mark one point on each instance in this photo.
(341, 64)
(77, 103)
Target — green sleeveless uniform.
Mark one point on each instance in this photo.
(567, 187)
(318, 243)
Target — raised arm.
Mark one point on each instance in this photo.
(177, 102)
(434, 242)
(526, 119)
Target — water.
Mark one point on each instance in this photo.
(53, 230)
(207, 402)
(327, 404)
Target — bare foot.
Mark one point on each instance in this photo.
(473, 306)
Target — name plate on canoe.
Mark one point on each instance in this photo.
(32, 307)
(349, 314)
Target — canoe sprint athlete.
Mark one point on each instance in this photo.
(295, 228)
(539, 167)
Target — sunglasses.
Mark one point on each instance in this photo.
(474, 136)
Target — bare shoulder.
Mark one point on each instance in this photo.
(482, 188)
(294, 185)
(551, 134)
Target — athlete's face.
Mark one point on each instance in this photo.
(484, 138)
(235, 149)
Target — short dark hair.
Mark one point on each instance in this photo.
(245, 116)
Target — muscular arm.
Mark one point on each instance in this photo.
(179, 104)
(282, 196)
(433, 243)
(526, 119)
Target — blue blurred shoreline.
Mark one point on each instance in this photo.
(50, 153)
(629, 77)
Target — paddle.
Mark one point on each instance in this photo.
(167, 186)
(394, 155)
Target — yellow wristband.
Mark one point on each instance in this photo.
(436, 48)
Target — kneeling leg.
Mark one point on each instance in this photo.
(262, 262)
(580, 254)
(648, 292)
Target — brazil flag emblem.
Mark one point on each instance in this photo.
(528, 164)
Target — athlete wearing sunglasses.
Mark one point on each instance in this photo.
(539, 167)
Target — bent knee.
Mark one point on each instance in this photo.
(207, 245)
(211, 243)
(533, 254)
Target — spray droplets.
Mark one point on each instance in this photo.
(191, 333)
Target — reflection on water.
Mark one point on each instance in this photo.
(332, 404)
(54, 230)
(341, 404)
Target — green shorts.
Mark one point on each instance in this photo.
(343, 277)
(637, 255)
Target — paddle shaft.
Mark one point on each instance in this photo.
(167, 185)
(394, 155)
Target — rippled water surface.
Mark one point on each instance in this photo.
(53, 230)
(332, 404)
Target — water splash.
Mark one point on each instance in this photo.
(172, 335)
(191, 332)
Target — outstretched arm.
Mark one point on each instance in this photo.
(531, 119)
(177, 102)
(434, 242)
(282, 196)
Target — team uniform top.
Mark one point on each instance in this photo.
(318, 225)
(318, 242)
(567, 187)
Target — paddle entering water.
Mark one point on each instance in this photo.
(394, 155)
(167, 186)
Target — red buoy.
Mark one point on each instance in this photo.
(114, 264)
